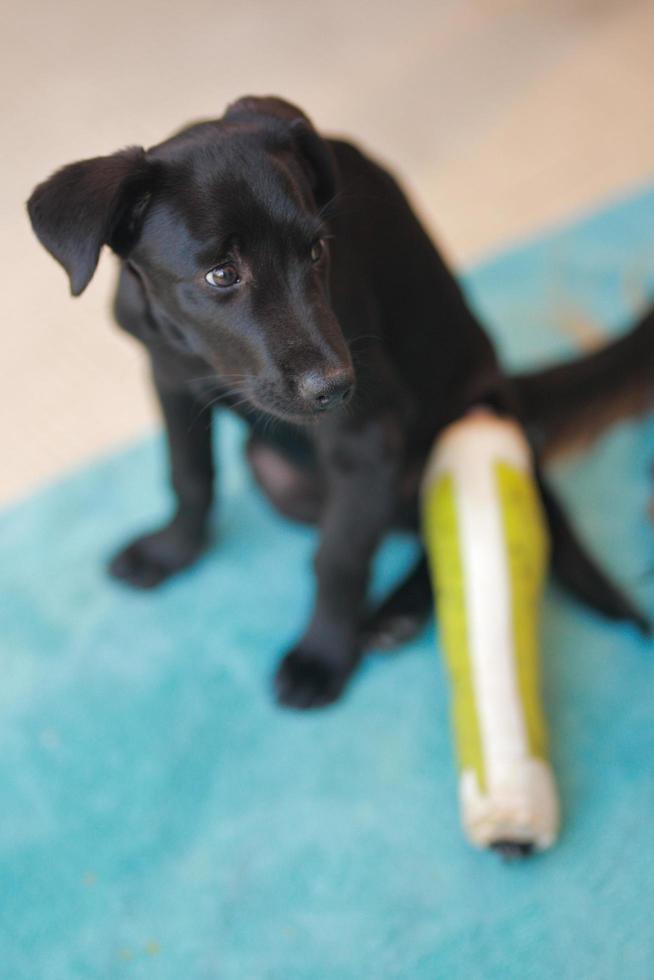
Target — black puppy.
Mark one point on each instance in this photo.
(285, 276)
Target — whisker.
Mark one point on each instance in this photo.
(215, 401)
(218, 378)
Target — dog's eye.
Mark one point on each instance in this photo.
(317, 250)
(223, 276)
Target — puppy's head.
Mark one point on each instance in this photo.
(222, 226)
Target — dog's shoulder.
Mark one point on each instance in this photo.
(366, 178)
(353, 161)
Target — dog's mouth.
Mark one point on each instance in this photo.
(303, 401)
(292, 412)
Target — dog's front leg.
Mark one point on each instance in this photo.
(362, 467)
(154, 557)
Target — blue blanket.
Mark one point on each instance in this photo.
(160, 817)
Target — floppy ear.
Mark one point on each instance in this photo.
(312, 150)
(89, 204)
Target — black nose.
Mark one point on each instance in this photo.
(322, 390)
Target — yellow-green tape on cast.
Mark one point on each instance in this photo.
(527, 554)
(442, 542)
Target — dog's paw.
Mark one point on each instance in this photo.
(150, 560)
(390, 630)
(307, 680)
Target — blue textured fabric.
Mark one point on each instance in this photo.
(161, 818)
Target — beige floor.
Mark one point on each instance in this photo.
(502, 116)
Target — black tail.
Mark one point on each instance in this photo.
(569, 405)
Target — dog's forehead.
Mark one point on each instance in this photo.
(222, 191)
